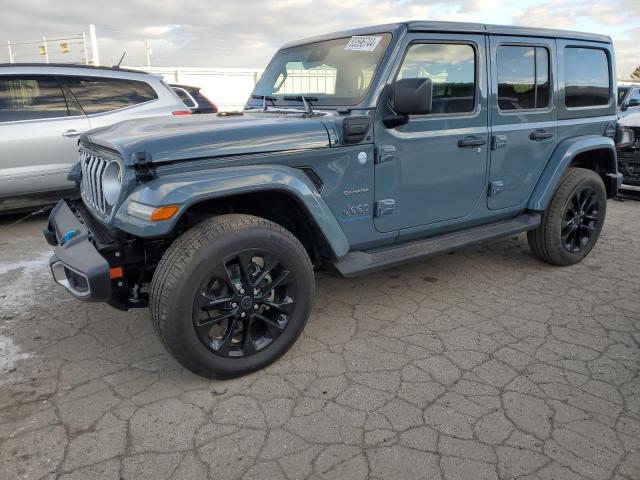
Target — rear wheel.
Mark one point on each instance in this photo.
(232, 295)
(573, 220)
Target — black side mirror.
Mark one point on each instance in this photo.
(413, 96)
(633, 103)
(409, 96)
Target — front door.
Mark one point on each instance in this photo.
(433, 168)
(523, 117)
(38, 135)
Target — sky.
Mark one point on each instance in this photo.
(246, 33)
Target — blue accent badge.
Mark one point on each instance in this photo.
(69, 235)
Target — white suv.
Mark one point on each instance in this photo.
(44, 108)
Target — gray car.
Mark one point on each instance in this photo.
(45, 108)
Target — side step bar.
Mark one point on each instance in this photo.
(356, 263)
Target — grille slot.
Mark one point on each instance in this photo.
(314, 177)
(93, 167)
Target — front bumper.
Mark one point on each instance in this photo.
(76, 263)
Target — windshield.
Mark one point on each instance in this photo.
(622, 91)
(333, 72)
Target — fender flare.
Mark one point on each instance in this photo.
(560, 160)
(188, 188)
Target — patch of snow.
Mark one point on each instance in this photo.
(28, 266)
(10, 354)
(18, 289)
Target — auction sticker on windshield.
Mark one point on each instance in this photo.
(363, 43)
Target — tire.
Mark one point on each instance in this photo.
(550, 242)
(195, 292)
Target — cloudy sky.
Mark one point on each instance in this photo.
(245, 33)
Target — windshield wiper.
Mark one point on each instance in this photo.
(264, 99)
(305, 101)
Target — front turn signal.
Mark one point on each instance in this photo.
(163, 213)
(151, 214)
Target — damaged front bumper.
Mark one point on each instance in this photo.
(87, 260)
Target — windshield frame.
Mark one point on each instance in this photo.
(363, 101)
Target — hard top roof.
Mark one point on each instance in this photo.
(459, 27)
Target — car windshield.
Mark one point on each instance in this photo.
(622, 91)
(331, 73)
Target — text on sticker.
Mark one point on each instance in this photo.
(363, 43)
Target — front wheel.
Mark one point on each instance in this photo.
(573, 220)
(231, 295)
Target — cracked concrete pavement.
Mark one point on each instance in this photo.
(483, 364)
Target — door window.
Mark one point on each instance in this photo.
(523, 77)
(587, 79)
(30, 98)
(99, 95)
(451, 68)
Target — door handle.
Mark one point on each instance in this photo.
(540, 134)
(71, 133)
(471, 142)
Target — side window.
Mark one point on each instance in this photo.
(98, 95)
(635, 95)
(587, 79)
(185, 97)
(30, 98)
(523, 78)
(451, 68)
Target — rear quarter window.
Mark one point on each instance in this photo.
(30, 98)
(99, 95)
(587, 77)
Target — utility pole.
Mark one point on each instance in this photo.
(84, 44)
(149, 52)
(10, 52)
(94, 45)
(46, 52)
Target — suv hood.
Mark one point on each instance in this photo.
(168, 139)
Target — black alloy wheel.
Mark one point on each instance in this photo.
(244, 304)
(572, 222)
(580, 219)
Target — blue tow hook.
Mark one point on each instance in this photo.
(68, 236)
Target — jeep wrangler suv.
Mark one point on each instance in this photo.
(356, 151)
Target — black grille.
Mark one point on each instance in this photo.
(314, 177)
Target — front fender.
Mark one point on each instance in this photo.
(188, 188)
(560, 160)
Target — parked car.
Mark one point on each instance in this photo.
(45, 108)
(628, 135)
(193, 98)
(383, 155)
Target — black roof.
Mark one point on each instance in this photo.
(460, 27)
(72, 65)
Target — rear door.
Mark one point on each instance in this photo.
(39, 129)
(524, 117)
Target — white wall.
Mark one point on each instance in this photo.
(228, 88)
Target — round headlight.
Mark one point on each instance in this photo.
(111, 182)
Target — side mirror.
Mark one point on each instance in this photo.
(633, 103)
(409, 96)
(413, 96)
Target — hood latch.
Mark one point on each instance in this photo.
(143, 167)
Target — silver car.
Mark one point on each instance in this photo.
(44, 108)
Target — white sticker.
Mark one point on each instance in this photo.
(363, 43)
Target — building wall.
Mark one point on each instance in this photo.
(228, 88)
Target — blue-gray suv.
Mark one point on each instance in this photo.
(356, 151)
